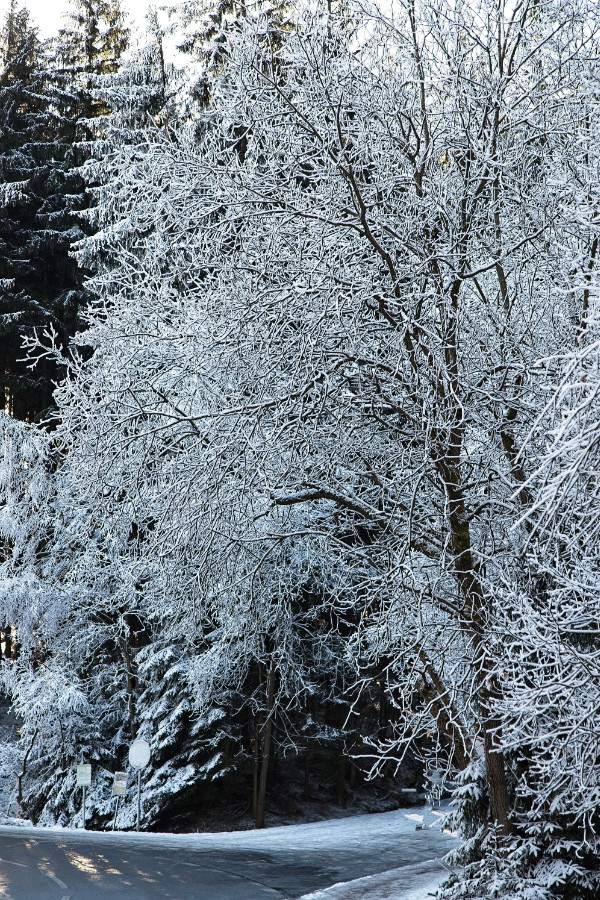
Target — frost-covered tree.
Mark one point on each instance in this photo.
(94, 37)
(40, 282)
(550, 664)
(74, 620)
(317, 330)
(552, 661)
(291, 442)
(550, 626)
(42, 287)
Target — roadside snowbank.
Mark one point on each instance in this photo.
(330, 833)
(418, 882)
(418, 830)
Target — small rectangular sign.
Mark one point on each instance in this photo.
(84, 775)
(120, 784)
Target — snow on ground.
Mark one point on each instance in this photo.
(413, 882)
(330, 833)
(418, 882)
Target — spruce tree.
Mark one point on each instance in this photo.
(39, 283)
(89, 47)
(206, 30)
(95, 36)
(45, 106)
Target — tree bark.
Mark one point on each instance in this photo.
(496, 778)
(255, 769)
(473, 623)
(307, 760)
(341, 779)
(266, 749)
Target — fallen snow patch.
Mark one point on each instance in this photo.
(330, 833)
(418, 882)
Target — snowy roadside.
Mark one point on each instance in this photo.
(418, 882)
(415, 882)
(330, 833)
(372, 833)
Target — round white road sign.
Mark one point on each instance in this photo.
(139, 753)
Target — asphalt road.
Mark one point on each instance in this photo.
(37, 865)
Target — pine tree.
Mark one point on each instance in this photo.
(190, 753)
(39, 282)
(206, 30)
(95, 37)
(45, 133)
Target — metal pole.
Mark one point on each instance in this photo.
(84, 806)
(116, 811)
(139, 795)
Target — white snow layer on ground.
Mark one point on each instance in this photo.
(330, 833)
(418, 882)
(415, 882)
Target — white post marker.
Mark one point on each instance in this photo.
(139, 756)
(119, 788)
(84, 779)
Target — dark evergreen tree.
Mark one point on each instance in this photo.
(192, 756)
(138, 95)
(44, 139)
(95, 36)
(39, 283)
(207, 28)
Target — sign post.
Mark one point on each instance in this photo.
(84, 779)
(118, 789)
(139, 756)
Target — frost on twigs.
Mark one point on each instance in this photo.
(292, 469)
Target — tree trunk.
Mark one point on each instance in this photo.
(474, 623)
(341, 779)
(273, 755)
(21, 775)
(496, 773)
(7, 635)
(255, 769)
(307, 760)
(266, 749)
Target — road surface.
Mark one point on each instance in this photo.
(38, 864)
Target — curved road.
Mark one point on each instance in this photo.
(38, 864)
